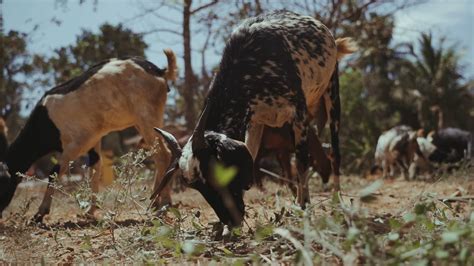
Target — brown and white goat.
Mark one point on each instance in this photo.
(273, 68)
(398, 148)
(73, 117)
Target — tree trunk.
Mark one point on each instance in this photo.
(189, 77)
(2, 63)
(421, 119)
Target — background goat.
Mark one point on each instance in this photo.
(453, 145)
(273, 68)
(73, 117)
(398, 146)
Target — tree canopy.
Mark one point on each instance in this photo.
(384, 84)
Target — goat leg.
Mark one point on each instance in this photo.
(300, 130)
(45, 206)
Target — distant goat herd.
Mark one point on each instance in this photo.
(277, 76)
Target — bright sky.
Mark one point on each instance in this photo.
(454, 19)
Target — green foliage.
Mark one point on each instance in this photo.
(91, 48)
(360, 112)
(431, 76)
(385, 89)
(20, 73)
(224, 175)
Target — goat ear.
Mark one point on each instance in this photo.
(249, 175)
(198, 140)
(241, 153)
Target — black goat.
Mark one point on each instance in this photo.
(453, 145)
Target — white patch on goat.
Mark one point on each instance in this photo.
(383, 143)
(269, 71)
(426, 147)
(113, 67)
(51, 98)
(188, 163)
(262, 24)
(222, 137)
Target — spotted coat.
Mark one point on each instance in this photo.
(273, 67)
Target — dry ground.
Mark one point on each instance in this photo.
(125, 233)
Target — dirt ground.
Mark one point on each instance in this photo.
(122, 234)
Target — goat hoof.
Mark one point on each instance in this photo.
(326, 188)
(218, 231)
(161, 202)
(38, 218)
(93, 214)
(163, 209)
(304, 203)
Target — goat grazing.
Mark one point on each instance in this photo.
(273, 68)
(453, 145)
(398, 147)
(73, 117)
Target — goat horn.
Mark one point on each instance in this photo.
(198, 141)
(175, 155)
(171, 141)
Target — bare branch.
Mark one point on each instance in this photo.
(173, 21)
(170, 5)
(203, 52)
(204, 6)
(146, 11)
(161, 30)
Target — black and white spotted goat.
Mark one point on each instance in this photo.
(273, 68)
(73, 117)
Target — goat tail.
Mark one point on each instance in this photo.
(345, 46)
(172, 70)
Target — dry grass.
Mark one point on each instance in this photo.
(387, 222)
